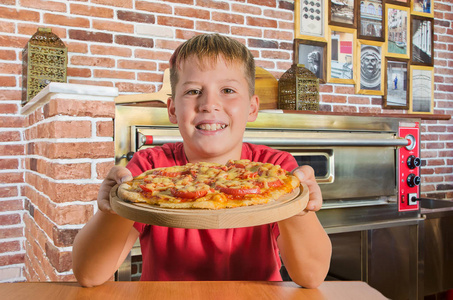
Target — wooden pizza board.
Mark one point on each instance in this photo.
(280, 209)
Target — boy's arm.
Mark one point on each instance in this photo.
(304, 245)
(104, 242)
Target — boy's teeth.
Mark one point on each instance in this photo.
(211, 127)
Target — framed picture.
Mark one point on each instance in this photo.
(423, 8)
(342, 13)
(313, 55)
(310, 21)
(370, 20)
(370, 80)
(341, 52)
(422, 41)
(396, 90)
(398, 31)
(399, 2)
(422, 90)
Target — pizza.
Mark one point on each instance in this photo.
(210, 185)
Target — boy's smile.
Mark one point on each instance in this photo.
(212, 106)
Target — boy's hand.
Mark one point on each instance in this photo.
(115, 176)
(306, 175)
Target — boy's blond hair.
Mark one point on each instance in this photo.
(207, 48)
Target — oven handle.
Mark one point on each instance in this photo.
(148, 140)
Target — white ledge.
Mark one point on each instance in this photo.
(67, 89)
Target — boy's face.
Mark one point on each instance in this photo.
(212, 106)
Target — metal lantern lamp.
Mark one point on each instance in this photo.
(45, 59)
(298, 89)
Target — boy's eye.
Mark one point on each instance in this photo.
(228, 91)
(193, 92)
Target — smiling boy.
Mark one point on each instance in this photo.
(212, 100)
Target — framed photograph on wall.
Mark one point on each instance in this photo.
(396, 89)
(341, 53)
(424, 8)
(399, 2)
(313, 55)
(422, 90)
(422, 41)
(370, 20)
(369, 79)
(342, 13)
(310, 20)
(397, 27)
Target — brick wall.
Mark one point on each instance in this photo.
(127, 45)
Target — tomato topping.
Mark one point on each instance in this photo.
(145, 189)
(275, 183)
(188, 194)
(239, 191)
(248, 175)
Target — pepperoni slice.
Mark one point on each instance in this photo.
(188, 194)
(240, 191)
(145, 189)
(271, 184)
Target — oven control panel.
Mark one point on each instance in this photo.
(409, 169)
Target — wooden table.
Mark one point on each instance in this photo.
(189, 290)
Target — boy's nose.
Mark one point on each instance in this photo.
(209, 102)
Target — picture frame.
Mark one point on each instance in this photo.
(422, 36)
(423, 8)
(370, 20)
(313, 55)
(399, 2)
(310, 20)
(396, 88)
(342, 13)
(397, 34)
(422, 90)
(369, 79)
(341, 55)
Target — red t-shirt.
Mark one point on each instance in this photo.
(248, 253)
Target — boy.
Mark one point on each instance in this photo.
(212, 79)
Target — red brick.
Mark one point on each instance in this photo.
(45, 5)
(228, 17)
(61, 261)
(345, 109)
(175, 22)
(76, 47)
(11, 205)
(150, 77)
(278, 14)
(8, 54)
(12, 232)
(10, 94)
(10, 136)
(12, 68)
(12, 150)
(68, 171)
(104, 128)
(344, 90)
(10, 219)
(91, 82)
(137, 65)
(79, 72)
(75, 150)
(82, 35)
(218, 5)
(91, 11)
(135, 17)
(16, 177)
(81, 108)
(19, 14)
(358, 100)
(157, 8)
(8, 191)
(71, 214)
(134, 41)
(64, 192)
(261, 22)
(117, 3)
(11, 164)
(93, 61)
(103, 168)
(246, 31)
(114, 74)
(273, 54)
(7, 81)
(194, 13)
(111, 50)
(11, 246)
(13, 259)
(66, 21)
(246, 9)
(63, 237)
(279, 35)
(113, 26)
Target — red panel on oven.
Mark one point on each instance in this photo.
(409, 169)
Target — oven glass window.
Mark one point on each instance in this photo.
(319, 163)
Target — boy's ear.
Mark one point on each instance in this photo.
(254, 108)
(171, 110)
